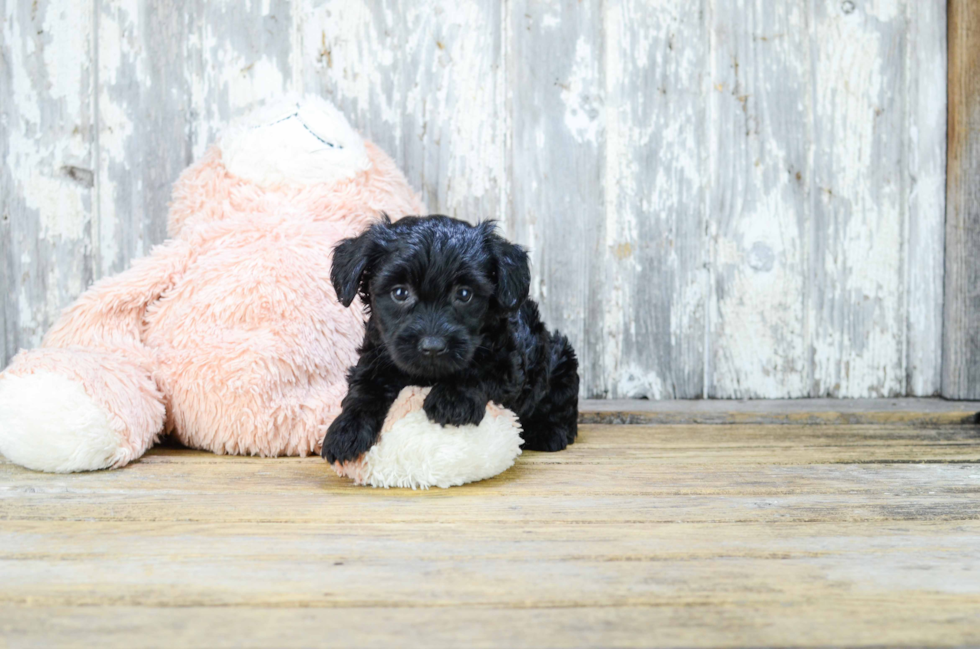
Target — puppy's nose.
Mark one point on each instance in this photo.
(432, 345)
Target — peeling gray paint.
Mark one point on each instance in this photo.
(45, 180)
(425, 82)
(733, 199)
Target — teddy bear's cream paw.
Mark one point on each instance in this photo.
(417, 453)
(49, 423)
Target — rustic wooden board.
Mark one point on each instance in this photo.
(649, 300)
(857, 313)
(759, 116)
(913, 412)
(804, 622)
(556, 84)
(635, 536)
(926, 185)
(47, 157)
(142, 117)
(424, 80)
(466, 566)
(961, 334)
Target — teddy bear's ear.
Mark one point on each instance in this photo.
(353, 259)
(511, 268)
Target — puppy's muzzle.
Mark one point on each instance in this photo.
(433, 346)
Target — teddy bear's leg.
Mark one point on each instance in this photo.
(87, 399)
(77, 409)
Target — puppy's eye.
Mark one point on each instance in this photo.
(400, 294)
(464, 294)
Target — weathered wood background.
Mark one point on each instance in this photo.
(723, 198)
(961, 333)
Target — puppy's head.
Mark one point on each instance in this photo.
(432, 284)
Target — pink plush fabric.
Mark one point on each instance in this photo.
(229, 335)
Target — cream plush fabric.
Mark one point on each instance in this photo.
(415, 453)
(229, 334)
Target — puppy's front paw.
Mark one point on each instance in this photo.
(453, 406)
(348, 438)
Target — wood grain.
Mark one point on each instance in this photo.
(424, 80)
(759, 207)
(961, 332)
(650, 298)
(635, 536)
(558, 140)
(47, 158)
(143, 124)
(910, 412)
(926, 183)
(857, 189)
(803, 622)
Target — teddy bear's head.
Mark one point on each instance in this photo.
(297, 155)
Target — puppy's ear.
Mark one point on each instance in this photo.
(512, 271)
(349, 263)
(353, 259)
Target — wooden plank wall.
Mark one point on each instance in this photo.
(961, 344)
(730, 198)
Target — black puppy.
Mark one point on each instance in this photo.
(448, 309)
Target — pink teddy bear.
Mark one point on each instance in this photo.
(229, 335)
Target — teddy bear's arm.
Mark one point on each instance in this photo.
(110, 313)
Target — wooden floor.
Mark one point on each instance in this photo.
(639, 535)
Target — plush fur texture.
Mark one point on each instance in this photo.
(413, 452)
(229, 335)
(325, 149)
(449, 309)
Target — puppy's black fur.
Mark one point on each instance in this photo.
(449, 309)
